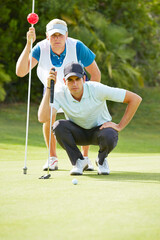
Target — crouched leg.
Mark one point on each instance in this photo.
(67, 135)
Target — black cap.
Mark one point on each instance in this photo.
(73, 69)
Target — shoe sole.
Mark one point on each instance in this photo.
(75, 174)
(46, 169)
(103, 173)
(89, 169)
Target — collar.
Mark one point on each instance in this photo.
(85, 95)
(63, 54)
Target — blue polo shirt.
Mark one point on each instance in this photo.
(94, 97)
(84, 55)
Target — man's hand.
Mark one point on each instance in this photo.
(52, 76)
(111, 125)
(31, 35)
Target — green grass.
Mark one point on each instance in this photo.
(124, 205)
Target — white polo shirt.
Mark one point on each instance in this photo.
(92, 110)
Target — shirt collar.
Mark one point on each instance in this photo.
(85, 91)
(63, 54)
(86, 94)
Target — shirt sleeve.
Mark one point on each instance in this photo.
(104, 92)
(56, 104)
(36, 52)
(84, 54)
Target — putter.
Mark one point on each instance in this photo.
(33, 19)
(48, 175)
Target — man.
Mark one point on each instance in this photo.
(56, 51)
(89, 125)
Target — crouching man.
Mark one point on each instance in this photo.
(89, 121)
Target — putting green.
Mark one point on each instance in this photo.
(123, 205)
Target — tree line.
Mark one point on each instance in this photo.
(124, 35)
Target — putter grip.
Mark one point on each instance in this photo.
(52, 92)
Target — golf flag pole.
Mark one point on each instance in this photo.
(32, 19)
(33, 3)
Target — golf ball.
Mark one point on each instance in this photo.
(75, 181)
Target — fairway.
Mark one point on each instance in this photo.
(124, 205)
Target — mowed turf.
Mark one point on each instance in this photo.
(123, 205)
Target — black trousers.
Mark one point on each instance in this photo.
(69, 135)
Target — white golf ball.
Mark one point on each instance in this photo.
(75, 181)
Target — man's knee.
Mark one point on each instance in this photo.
(59, 126)
(108, 137)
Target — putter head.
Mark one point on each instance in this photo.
(46, 176)
(25, 170)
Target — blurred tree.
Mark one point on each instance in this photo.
(124, 35)
(141, 19)
(4, 79)
(4, 76)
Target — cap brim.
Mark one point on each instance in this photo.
(51, 32)
(73, 74)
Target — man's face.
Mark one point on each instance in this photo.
(75, 86)
(57, 40)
